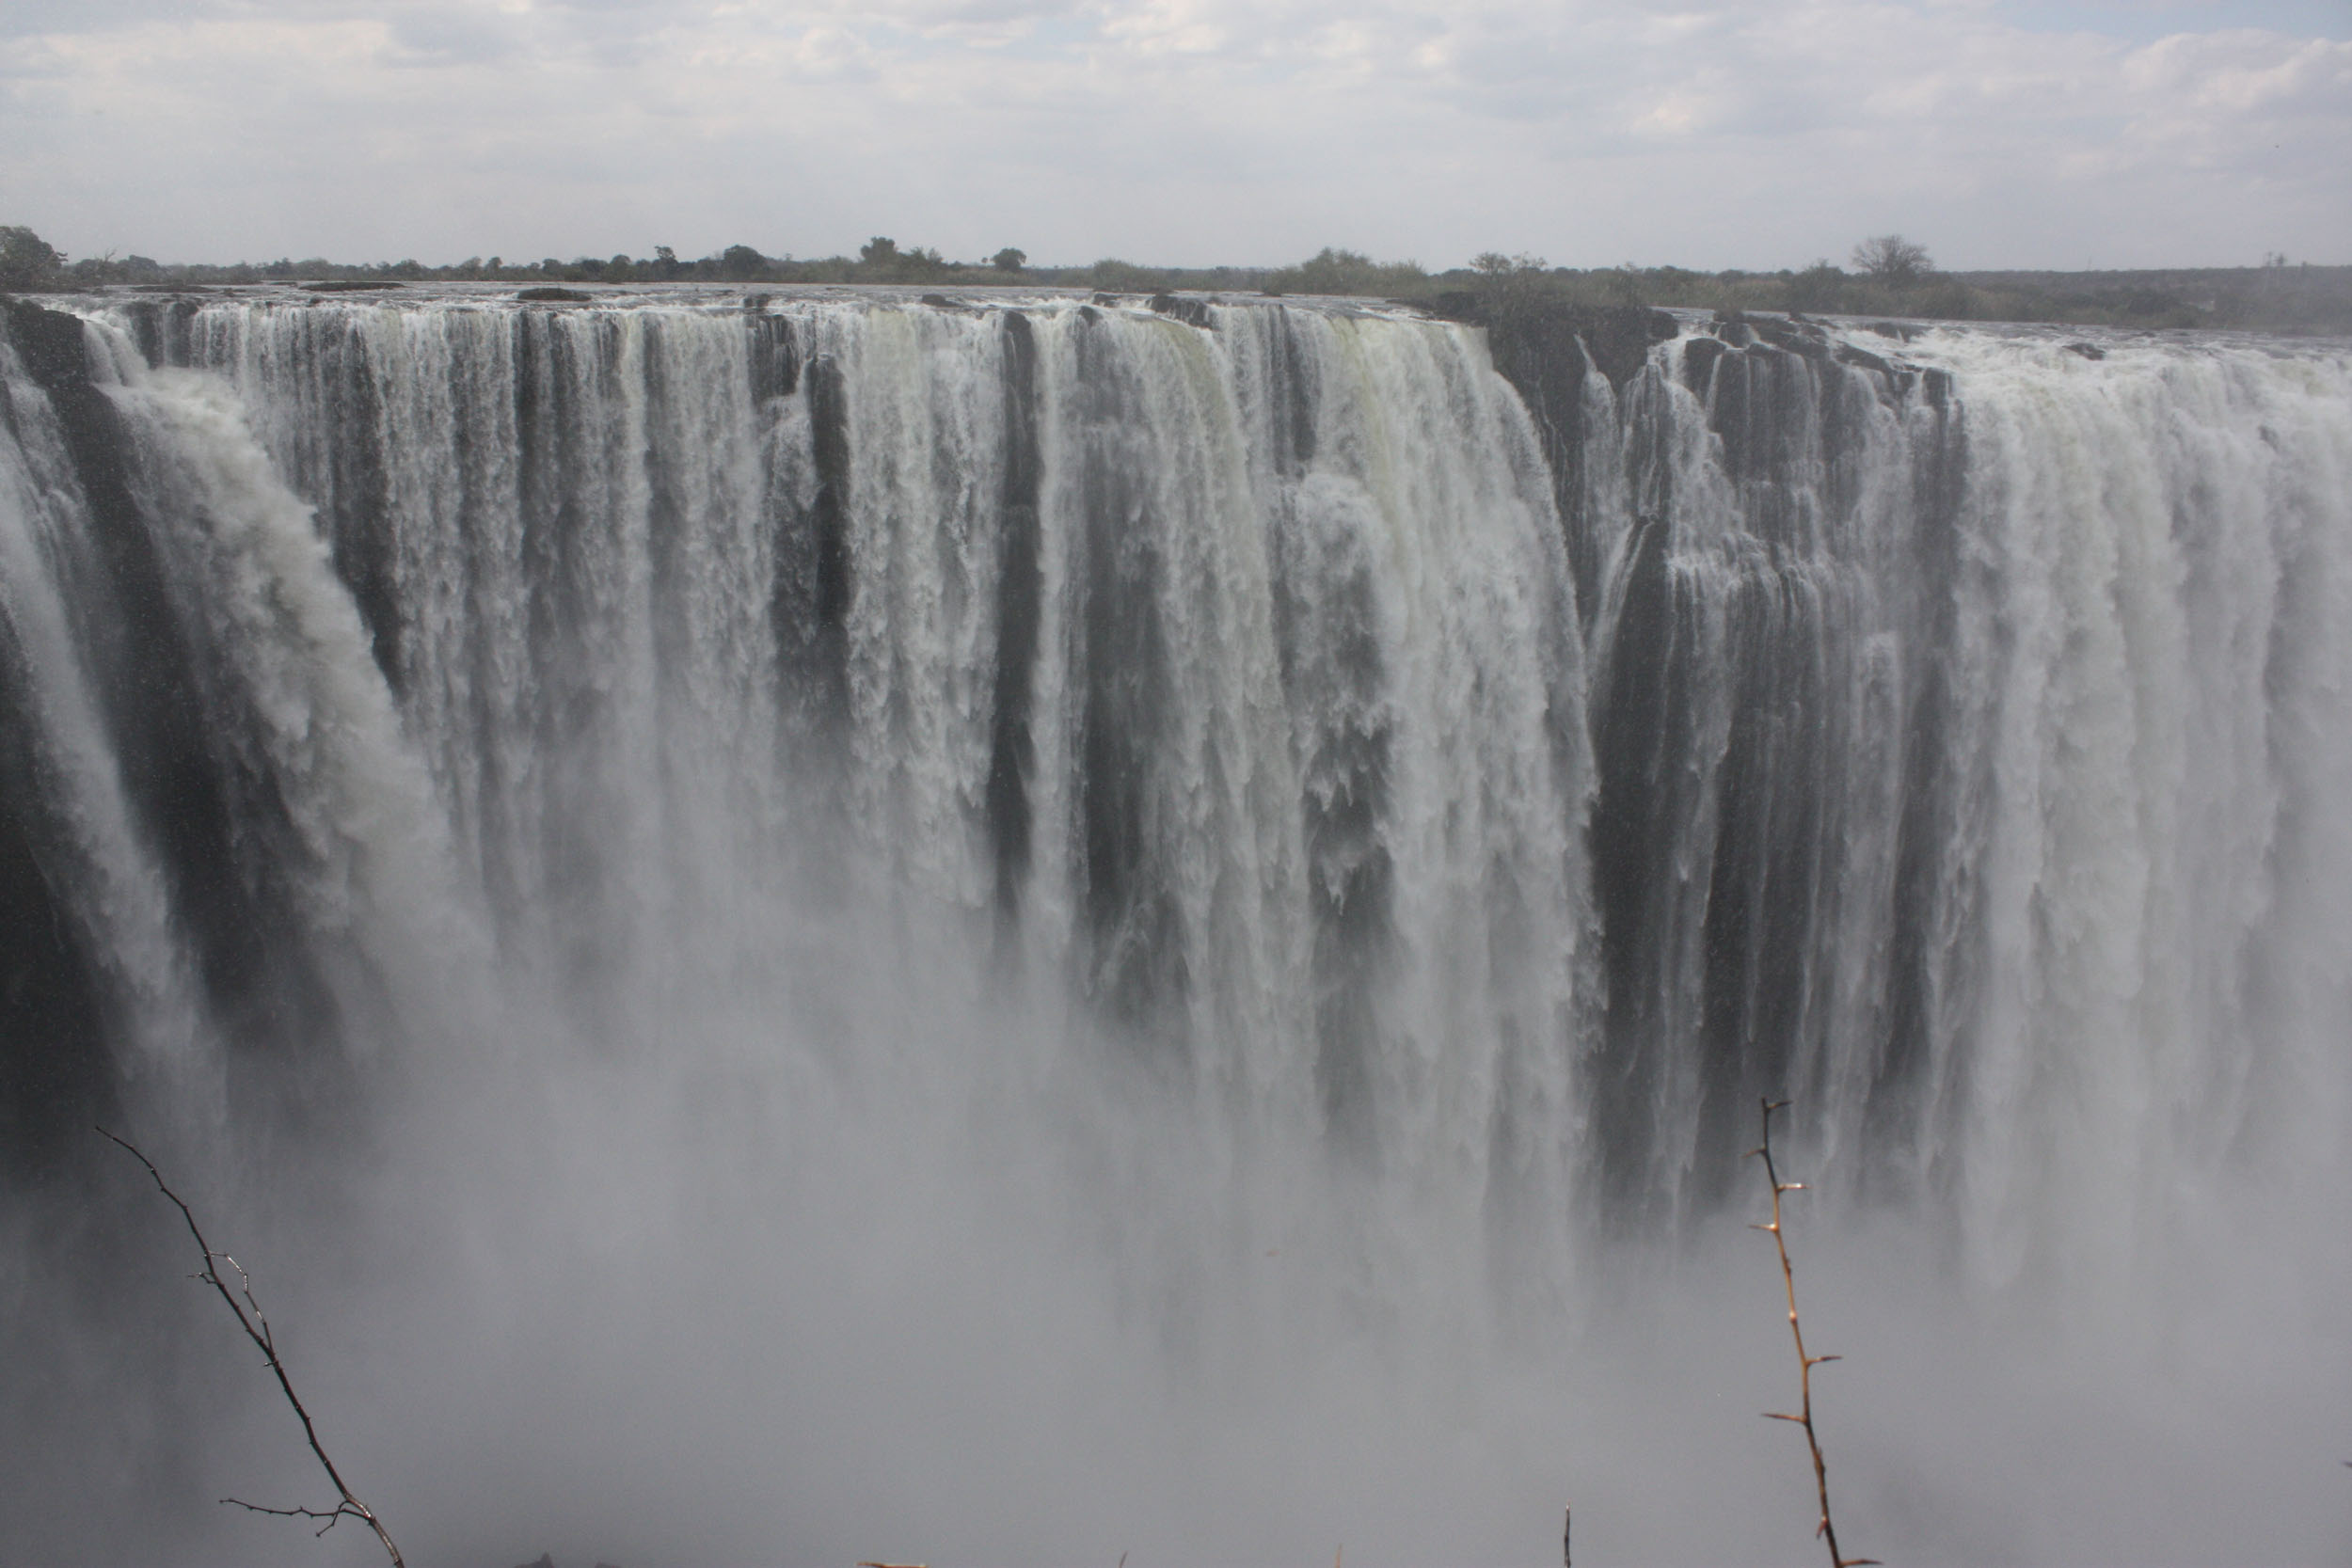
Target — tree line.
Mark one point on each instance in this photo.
(1886, 275)
(27, 262)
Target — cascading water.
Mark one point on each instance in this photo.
(832, 924)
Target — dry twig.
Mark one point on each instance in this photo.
(256, 1326)
(1805, 1363)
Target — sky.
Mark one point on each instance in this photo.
(1193, 133)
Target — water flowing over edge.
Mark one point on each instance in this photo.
(1290, 788)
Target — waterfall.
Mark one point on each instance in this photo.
(1015, 849)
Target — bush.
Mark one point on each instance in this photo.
(1346, 272)
(1125, 277)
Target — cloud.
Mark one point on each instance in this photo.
(1186, 130)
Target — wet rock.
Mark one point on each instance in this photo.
(1864, 359)
(1527, 333)
(1797, 337)
(2089, 351)
(555, 296)
(1619, 337)
(350, 286)
(1698, 362)
(1192, 312)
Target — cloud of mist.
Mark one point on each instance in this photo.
(864, 1280)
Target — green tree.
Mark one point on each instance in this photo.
(740, 263)
(26, 260)
(879, 253)
(1009, 260)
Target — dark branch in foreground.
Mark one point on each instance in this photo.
(256, 1326)
(1805, 1363)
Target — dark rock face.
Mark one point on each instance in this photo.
(1191, 312)
(156, 707)
(1616, 339)
(554, 296)
(350, 286)
(1698, 362)
(54, 1073)
(810, 606)
(1021, 590)
(1751, 640)
(1135, 971)
(210, 824)
(1545, 349)
(1862, 358)
(775, 358)
(161, 327)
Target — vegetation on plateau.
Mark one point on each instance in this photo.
(1886, 275)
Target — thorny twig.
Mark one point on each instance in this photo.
(256, 1326)
(1805, 1363)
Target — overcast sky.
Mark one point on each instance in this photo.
(1763, 134)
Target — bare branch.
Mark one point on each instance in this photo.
(341, 1510)
(1892, 259)
(1805, 1363)
(249, 1315)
